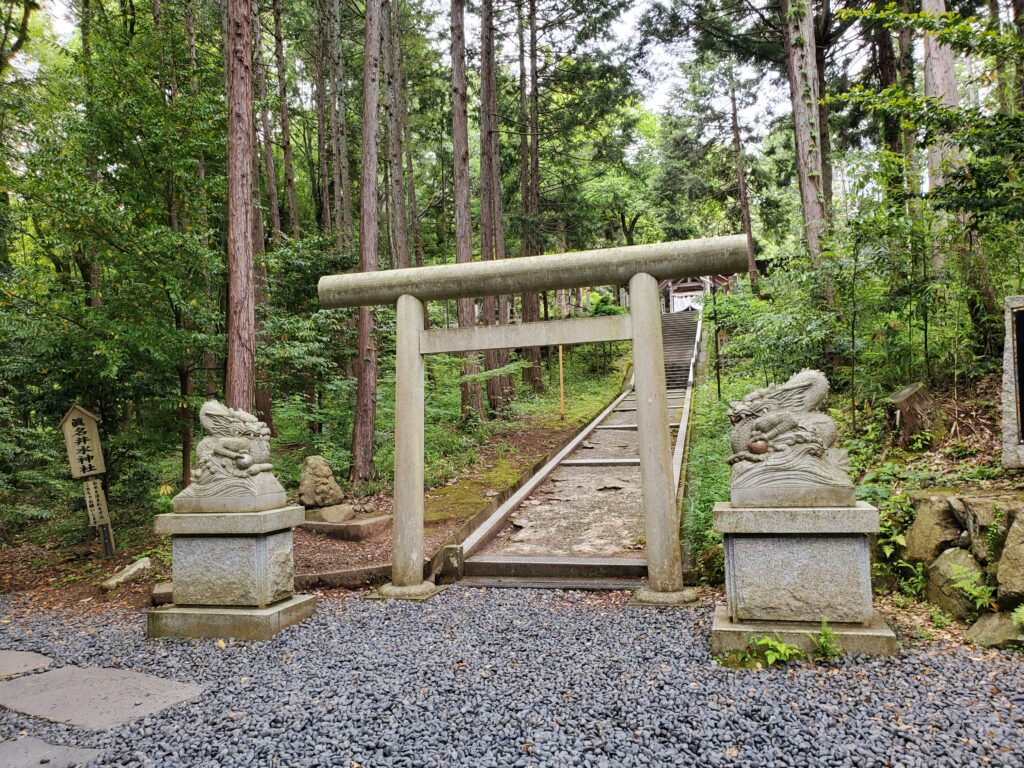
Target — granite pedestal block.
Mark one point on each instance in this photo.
(233, 575)
(233, 570)
(790, 566)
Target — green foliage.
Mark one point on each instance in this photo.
(761, 651)
(1018, 616)
(970, 583)
(826, 644)
(940, 619)
(707, 473)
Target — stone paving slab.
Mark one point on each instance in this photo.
(19, 662)
(93, 697)
(579, 511)
(30, 752)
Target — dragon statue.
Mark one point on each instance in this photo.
(784, 452)
(233, 470)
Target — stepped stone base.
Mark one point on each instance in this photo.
(234, 575)
(223, 621)
(874, 638)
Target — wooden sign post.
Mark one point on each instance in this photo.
(82, 439)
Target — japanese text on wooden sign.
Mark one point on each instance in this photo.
(82, 439)
(96, 503)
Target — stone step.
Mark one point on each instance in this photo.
(533, 582)
(356, 529)
(519, 566)
(610, 462)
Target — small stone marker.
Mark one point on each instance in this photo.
(85, 454)
(30, 752)
(93, 698)
(19, 662)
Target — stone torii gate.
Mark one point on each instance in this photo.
(641, 266)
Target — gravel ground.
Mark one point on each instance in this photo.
(503, 678)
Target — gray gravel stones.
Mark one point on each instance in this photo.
(521, 678)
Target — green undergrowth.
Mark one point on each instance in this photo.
(40, 504)
(770, 651)
(707, 473)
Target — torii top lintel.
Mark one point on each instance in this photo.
(606, 266)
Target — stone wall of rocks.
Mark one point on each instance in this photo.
(983, 534)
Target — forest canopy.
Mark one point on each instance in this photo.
(153, 155)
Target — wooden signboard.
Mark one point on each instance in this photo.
(96, 503)
(82, 439)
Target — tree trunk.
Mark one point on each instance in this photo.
(414, 211)
(741, 184)
(185, 419)
(802, 69)
(825, 134)
(343, 198)
(396, 133)
(939, 83)
(268, 138)
(1017, 8)
(533, 376)
(495, 389)
(241, 341)
(471, 396)
(320, 102)
(887, 77)
(87, 260)
(286, 136)
(366, 388)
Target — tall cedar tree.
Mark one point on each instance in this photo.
(472, 401)
(366, 364)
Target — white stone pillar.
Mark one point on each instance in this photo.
(664, 560)
(407, 549)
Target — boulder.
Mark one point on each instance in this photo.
(318, 488)
(1010, 571)
(128, 574)
(940, 590)
(996, 630)
(934, 528)
(336, 513)
(987, 519)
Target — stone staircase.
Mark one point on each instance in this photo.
(679, 331)
(578, 525)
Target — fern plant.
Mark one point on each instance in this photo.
(969, 584)
(1018, 616)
